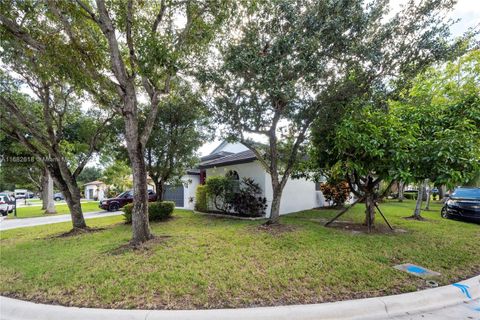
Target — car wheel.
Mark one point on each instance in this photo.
(57, 199)
(444, 213)
(113, 207)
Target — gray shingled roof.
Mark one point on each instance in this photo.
(241, 157)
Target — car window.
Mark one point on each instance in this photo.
(466, 193)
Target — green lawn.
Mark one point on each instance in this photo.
(36, 211)
(211, 262)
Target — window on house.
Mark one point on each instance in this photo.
(233, 175)
(317, 186)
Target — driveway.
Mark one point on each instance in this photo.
(6, 224)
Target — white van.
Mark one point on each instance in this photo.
(21, 193)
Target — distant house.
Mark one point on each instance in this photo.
(95, 190)
(236, 160)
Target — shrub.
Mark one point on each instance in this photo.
(220, 190)
(230, 196)
(127, 212)
(201, 198)
(248, 200)
(157, 211)
(337, 192)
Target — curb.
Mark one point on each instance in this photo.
(370, 308)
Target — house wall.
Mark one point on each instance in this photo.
(100, 195)
(251, 169)
(191, 182)
(298, 194)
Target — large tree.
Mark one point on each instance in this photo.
(443, 108)
(121, 51)
(180, 129)
(52, 126)
(287, 64)
(369, 146)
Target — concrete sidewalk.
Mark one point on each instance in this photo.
(7, 224)
(457, 298)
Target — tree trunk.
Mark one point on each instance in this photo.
(72, 197)
(418, 206)
(429, 190)
(140, 225)
(275, 208)
(442, 191)
(50, 205)
(424, 190)
(44, 190)
(369, 210)
(136, 153)
(160, 190)
(401, 187)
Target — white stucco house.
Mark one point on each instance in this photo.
(95, 190)
(298, 194)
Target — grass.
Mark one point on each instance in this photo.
(210, 262)
(36, 211)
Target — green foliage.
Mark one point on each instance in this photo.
(157, 211)
(248, 200)
(274, 72)
(181, 128)
(235, 197)
(118, 177)
(201, 198)
(89, 174)
(367, 141)
(220, 191)
(443, 110)
(127, 212)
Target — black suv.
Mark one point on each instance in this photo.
(463, 203)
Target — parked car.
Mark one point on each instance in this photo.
(21, 193)
(58, 196)
(5, 205)
(113, 204)
(463, 203)
(10, 200)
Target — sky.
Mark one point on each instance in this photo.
(468, 11)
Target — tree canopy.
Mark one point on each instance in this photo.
(289, 64)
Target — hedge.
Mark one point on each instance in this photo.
(201, 198)
(157, 211)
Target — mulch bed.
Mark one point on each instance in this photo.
(142, 248)
(76, 232)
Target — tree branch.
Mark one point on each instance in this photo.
(159, 17)
(18, 33)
